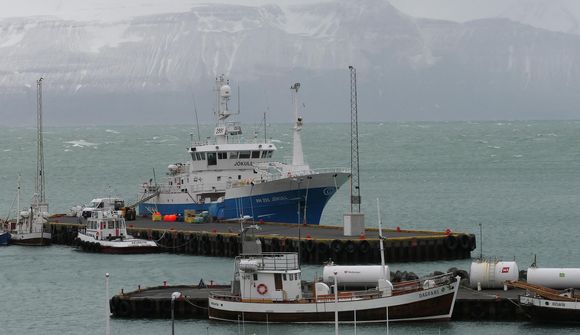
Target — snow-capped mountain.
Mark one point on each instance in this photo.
(145, 69)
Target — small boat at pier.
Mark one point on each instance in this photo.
(548, 305)
(5, 238)
(267, 289)
(106, 232)
(30, 229)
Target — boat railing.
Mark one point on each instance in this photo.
(272, 260)
(422, 283)
(295, 175)
(165, 188)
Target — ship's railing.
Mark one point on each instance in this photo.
(398, 289)
(166, 188)
(422, 283)
(267, 176)
(272, 260)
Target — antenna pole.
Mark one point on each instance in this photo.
(355, 198)
(381, 243)
(196, 119)
(480, 242)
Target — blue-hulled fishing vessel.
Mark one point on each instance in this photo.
(231, 178)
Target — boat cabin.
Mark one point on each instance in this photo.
(106, 225)
(230, 156)
(268, 276)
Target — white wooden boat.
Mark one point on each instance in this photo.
(268, 288)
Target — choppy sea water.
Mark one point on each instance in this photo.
(519, 180)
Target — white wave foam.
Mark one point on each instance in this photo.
(81, 144)
(112, 131)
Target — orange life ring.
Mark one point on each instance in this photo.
(262, 289)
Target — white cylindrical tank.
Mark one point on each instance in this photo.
(557, 278)
(359, 275)
(492, 274)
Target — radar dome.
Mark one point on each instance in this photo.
(225, 91)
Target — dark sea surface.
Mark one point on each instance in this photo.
(519, 180)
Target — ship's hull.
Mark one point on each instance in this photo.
(431, 304)
(550, 311)
(5, 238)
(31, 239)
(287, 200)
(126, 246)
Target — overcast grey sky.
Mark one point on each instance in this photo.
(464, 10)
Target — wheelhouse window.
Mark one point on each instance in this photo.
(211, 158)
(255, 154)
(222, 155)
(200, 156)
(244, 154)
(234, 155)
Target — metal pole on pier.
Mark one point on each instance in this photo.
(353, 222)
(480, 242)
(335, 303)
(174, 296)
(355, 198)
(107, 312)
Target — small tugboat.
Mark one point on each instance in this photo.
(544, 304)
(106, 232)
(30, 227)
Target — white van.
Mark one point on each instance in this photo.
(115, 204)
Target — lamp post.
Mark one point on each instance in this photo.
(174, 295)
(107, 312)
(335, 303)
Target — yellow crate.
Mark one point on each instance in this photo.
(156, 217)
(189, 213)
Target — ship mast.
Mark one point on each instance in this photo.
(223, 97)
(39, 187)
(297, 152)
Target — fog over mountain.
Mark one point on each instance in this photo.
(137, 67)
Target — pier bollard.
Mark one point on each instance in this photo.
(165, 283)
(479, 286)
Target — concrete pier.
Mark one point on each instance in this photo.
(316, 244)
(155, 302)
